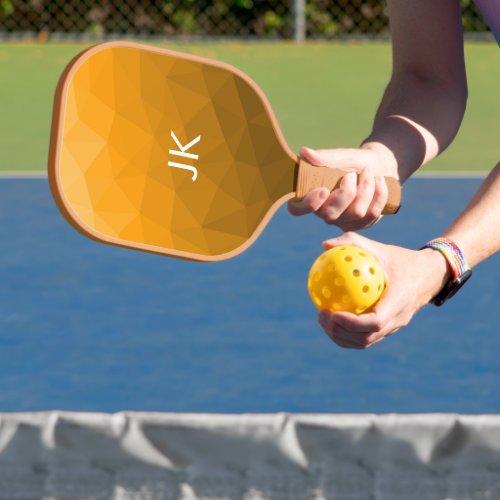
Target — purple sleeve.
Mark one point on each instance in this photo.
(490, 9)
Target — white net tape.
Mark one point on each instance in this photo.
(155, 456)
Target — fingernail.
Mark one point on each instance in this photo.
(306, 150)
(323, 195)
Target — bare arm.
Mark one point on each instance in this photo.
(418, 117)
(424, 102)
(477, 230)
(415, 277)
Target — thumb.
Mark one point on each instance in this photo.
(377, 249)
(349, 238)
(349, 159)
(313, 156)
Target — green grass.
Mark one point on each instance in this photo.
(324, 95)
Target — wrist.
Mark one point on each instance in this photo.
(388, 165)
(437, 271)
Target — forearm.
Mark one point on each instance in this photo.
(477, 230)
(416, 120)
(424, 103)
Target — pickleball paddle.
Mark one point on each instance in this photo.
(172, 153)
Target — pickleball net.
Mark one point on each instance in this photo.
(159, 456)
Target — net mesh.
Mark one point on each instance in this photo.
(154, 456)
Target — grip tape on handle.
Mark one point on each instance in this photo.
(310, 177)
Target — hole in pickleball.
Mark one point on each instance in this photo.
(363, 254)
(372, 270)
(348, 258)
(336, 306)
(317, 300)
(317, 276)
(360, 309)
(330, 268)
(366, 289)
(346, 299)
(379, 287)
(327, 293)
(356, 273)
(339, 281)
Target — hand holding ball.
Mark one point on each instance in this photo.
(346, 278)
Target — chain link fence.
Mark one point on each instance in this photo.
(283, 19)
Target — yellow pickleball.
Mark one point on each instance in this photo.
(346, 278)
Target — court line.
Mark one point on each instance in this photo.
(452, 174)
(28, 174)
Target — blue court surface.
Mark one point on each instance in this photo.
(90, 327)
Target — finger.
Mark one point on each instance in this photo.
(344, 344)
(376, 338)
(353, 341)
(342, 340)
(362, 324)
(349, 158)
(348, 338)
(358, 209)
(357, 225)
(356, 216)
(362, 340)
(359, 341)
(340, 335)
(378, 250)
(366, 209)
(392, 311)
(348, 238)
(319, 158)
(376, 207)
(371, 343)
(339, 199)
(311, 203)
(379, 200)
(384, 319)
(393, 332)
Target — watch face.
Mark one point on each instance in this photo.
(451, 288)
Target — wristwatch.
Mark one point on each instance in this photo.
(460, 270)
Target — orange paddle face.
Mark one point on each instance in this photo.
(166, 152)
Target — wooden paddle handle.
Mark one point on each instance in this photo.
(310, 177)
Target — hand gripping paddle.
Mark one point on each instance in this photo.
(172, 153)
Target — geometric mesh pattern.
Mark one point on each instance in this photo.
(164, 153)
